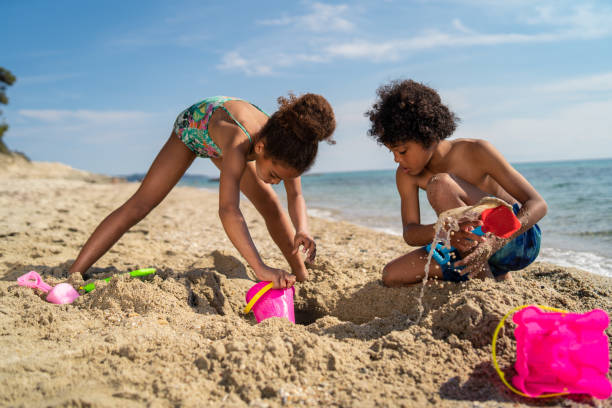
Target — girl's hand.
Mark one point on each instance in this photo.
(310, 247)
(464, 239)
(75, 279)
(281, 279)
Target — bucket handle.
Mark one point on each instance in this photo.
(493, 352)
(255, 298)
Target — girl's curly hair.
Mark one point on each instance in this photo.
(293, 132)
(410, 111)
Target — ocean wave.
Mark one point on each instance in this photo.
(587, 261)
(564, 185)
(604, 233)
(326, 214)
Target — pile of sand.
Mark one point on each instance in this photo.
(179, 338)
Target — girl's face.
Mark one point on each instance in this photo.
(271, 171)
(411, 156)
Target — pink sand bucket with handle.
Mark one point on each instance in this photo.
(267, 302)
(558, 352)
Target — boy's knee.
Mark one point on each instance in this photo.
(388, 277)
(438, 186)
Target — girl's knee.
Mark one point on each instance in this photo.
(136, 211)
(272, 207)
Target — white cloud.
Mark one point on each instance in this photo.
(591, 83)
(513, 118)
(542, 122)
(556, 21)
(234, 61)
(573, 132)
(458, 25)
(262, 66)
(324, 17)
(581, 20)
(84, 116)
(45, 78)
(392, 50)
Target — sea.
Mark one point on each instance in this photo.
(576, 232)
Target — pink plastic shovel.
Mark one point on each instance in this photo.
(60, 294)
(267, 302)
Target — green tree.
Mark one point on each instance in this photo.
(6, 79)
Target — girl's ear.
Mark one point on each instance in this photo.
(259, 147)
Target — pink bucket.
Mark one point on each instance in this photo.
(562, 352)
(270, 302)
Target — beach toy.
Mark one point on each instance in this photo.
(500, 220)
(267, 302)
(558, 353)
(60, 294)
(139, 272)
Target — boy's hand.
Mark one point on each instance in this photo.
(476, 261)
(281, 279)
(464, 239)
(310, 247)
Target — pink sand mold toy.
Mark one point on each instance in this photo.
(267, 302)
(559, 353)
(60, 294)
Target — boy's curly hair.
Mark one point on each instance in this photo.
(410, 111)
(293, 132)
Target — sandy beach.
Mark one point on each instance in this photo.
(179, 338)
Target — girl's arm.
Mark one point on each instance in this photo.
(297, 211)
(232, 167)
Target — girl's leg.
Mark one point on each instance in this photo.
(277, 220)
(409, 268)
(167, 168)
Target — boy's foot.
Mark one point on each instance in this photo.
(507, 277)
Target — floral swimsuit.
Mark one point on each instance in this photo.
(191, 126)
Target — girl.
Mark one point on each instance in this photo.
(252, 151)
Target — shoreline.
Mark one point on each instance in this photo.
(179, 338)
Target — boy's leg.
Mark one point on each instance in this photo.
(167, 169)
(446, 191)
(277, 220)
(410, 268)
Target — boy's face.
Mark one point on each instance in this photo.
(411, 156)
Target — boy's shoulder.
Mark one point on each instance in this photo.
(472, 156)
(465, 150)
(467, 144)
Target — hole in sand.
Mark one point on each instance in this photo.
(307, 315)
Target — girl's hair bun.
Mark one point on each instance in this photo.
(292, 134)
(309, 117)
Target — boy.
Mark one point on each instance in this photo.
(412, 122)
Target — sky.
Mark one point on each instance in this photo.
(99, 84)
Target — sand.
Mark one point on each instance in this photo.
(179, 338)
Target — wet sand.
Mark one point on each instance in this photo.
(179, 338)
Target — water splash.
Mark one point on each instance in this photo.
(448, 222)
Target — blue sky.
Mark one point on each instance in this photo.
(100, 83)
